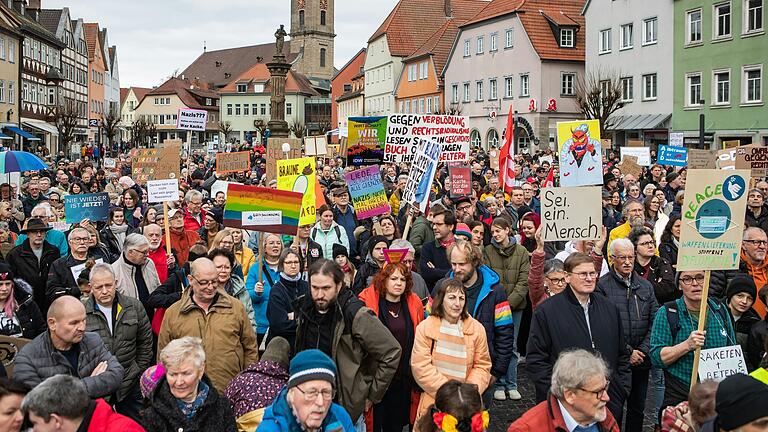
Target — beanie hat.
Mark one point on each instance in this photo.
(311, 365)
(6, 273)
(741, 284)
(277, 351)
(463, 229)
(376, 240)
(150, 378)
(339, 249)
(740, 399)
(216, 215)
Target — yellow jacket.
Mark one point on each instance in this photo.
(245, 258)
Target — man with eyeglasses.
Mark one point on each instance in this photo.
(194, 214)
(306, 403)
(157, 252)
(63, 274)
(754, 261)
(136, 274)
(636, 302)
(579, 318)
(675, 335)
(209, 313)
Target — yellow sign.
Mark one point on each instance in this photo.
(298, 175)
(580, 150)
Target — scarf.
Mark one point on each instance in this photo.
(189, 409)
(346, 268)
(119, 231)
(447, 243)
(285, 277)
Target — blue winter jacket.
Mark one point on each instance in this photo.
(260, 300)
(279, 417)
(493, 311)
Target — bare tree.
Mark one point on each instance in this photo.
(225, 128)
(110, 122)
(599, 95)
(151, 133)
(139, 131)
(324, 126)
(297, 129)
(454, 110)
(65, 117)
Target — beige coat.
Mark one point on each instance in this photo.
(126, 282)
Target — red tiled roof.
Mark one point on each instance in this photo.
(124, 93)
(413, 22)
(140, 92)
(561, 19)
(439, 46)
(91, 36)
(294, 82)
(185, 90)
(495, 9)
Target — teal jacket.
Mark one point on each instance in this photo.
(279, 417)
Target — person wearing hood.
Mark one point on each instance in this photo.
(510, 261)
(739, 297)
(255, 388)
(487, 302)
(374, 261)
(19, 314)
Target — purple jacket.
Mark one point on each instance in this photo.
(256, 387)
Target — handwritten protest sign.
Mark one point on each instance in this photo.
(673, 156)
(163, 190)
(422, 174)
(9, 349)
(713, 220)
(233, 162)
(262, 209)
(726, 159)
(701, 159)
(191, 119)
(157, 164)
(461, 181)
(676, 139)
(315, 146)
(629, 165)
(643, 154)
(571, 214)
(403, 131)
(581, 160)
(367, 192)
(753, 157)
(298, 175)
(94, 207)
(275, 153)
(720, 363)
(366, 140)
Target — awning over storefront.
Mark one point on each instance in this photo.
(41, 126)
(638, 122)
(4, 136)
(22, 133)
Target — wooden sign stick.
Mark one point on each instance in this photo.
(408, 222)
(261, 256)
(702, 322)
(167, 229)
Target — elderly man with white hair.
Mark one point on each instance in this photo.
(578, 398)
(63, 273)
(136, 274)
(44, 212)
(635, 299)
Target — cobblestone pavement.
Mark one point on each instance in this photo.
(503, 413)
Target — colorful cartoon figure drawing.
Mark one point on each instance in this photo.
(580, 159)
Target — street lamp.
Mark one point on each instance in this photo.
(286, 149)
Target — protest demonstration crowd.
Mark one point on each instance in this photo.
(323, 294)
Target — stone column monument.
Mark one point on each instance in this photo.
(278, 69)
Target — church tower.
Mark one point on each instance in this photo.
(312, 37)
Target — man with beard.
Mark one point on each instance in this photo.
(578, 400)
(634, 214)
(367, 358)
(66, 348)
(486, 302)
(157, 252)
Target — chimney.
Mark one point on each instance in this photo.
(448, 9)
(34, 5)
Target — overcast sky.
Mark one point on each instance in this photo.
(155, 38)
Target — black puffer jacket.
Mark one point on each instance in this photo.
(163, 413)
(742, 327)
(668, 251)
(661, 275)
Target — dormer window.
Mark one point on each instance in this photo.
(242, 88)
(566, 38)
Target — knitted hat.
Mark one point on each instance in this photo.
(277, 351)
(6, 273)
(376, 240)
(463, 230)
(150, 378)
(741, 284)
(311, 365)
(740, 399)
(216, 215)
(339, 249)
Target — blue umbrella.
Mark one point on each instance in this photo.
(19, 161)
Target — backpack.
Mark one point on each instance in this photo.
(674, 318)
(336, 229)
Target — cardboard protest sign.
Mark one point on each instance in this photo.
(191, 119)
(262, 209)
(720, 363)
(461, 181)
(676, 139)
(94, 207)
(275, 153)
(299, 175)
(366, 140)
(629, 166)
(713, 220)
(731, 144)
(753, 157)
(643, 154)
(9, 349)
(233, 162)
(403, 131)
(571, 213)
(607, 143)
(163, 190)
(635, 143)
(581, 159)
(726, 159)
(367, 192)
(422, 174)
(674, 156)
(157, 164)
(701, 159)
(315, 146)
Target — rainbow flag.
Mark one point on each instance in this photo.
(262, 209)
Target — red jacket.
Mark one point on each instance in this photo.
(546, 417)
(160, 258)
(181, 243)
(190, 223)
(103, 419)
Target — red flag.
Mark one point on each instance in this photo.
(550, 180)
(506, 158)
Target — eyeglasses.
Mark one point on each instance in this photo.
(598, 393)
(81, 239)
(311, 394)
(143, 253)
(556, 281)
(626, 258)
(756, 242)
(688, 280)
(585, 275)
(203, 283)
(647, 243)
(291, 263)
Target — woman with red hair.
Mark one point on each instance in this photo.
(527, 227)
(400, 310)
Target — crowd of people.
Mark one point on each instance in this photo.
(235, 330)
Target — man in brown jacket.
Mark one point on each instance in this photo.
(215, 317)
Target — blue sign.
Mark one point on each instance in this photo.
(94, 207)
(672, 155)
